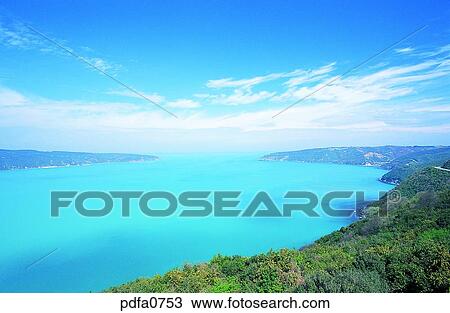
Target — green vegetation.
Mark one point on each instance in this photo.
(374, 156)
(408, 251)
(399, 160)
(402, 167)
(20, 159)
(425, 180)
(446, 165)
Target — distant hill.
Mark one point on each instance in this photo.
(403, 166)
(369, 156)
(400, 160)
(425, 180)
(407, 251)
(446, 165)
(21, 159)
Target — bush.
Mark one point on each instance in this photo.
(406, 252)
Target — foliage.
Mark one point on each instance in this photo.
(375, 156)
(407, 165)
(401, 161)
(19, 159)
(408, 251)
(429, 179)
(446, 165)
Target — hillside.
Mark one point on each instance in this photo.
(408, 251)
(401, 161)
(403, 166)
(369, 156)
(21, 159)
(425, 180)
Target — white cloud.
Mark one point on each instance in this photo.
(383, 84)
(350, 103)
(242, 83)
(405, 50)
(246, 83)
(240, 96)
(435, 108)
(17, 35)
(101, 64)
(314, 75)
(159, 99)
(124, 117)
(436, 52)
(9, 97)
(127, 93)
(243, 93)
(183, 104)
(202, 95)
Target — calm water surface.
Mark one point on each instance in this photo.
(96, 253)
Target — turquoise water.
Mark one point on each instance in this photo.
(95, 253)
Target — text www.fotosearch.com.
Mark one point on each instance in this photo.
(228, 303)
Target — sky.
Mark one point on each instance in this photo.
(225, 69)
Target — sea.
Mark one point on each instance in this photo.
(75, 253)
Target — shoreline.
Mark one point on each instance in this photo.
(74, 165)
(358, 208)
(359, 165)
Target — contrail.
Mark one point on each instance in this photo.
(84, 60)
(40, 259)
(352, 69)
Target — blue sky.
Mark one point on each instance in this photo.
(224, 68)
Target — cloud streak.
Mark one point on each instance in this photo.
(381, 100)
(405, 50)
(16, 34)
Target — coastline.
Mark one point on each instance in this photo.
(160, 172)
(75, 165)
(285, 159)
(357, 207)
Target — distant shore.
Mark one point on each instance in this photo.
(74, 165)
(28, 159)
